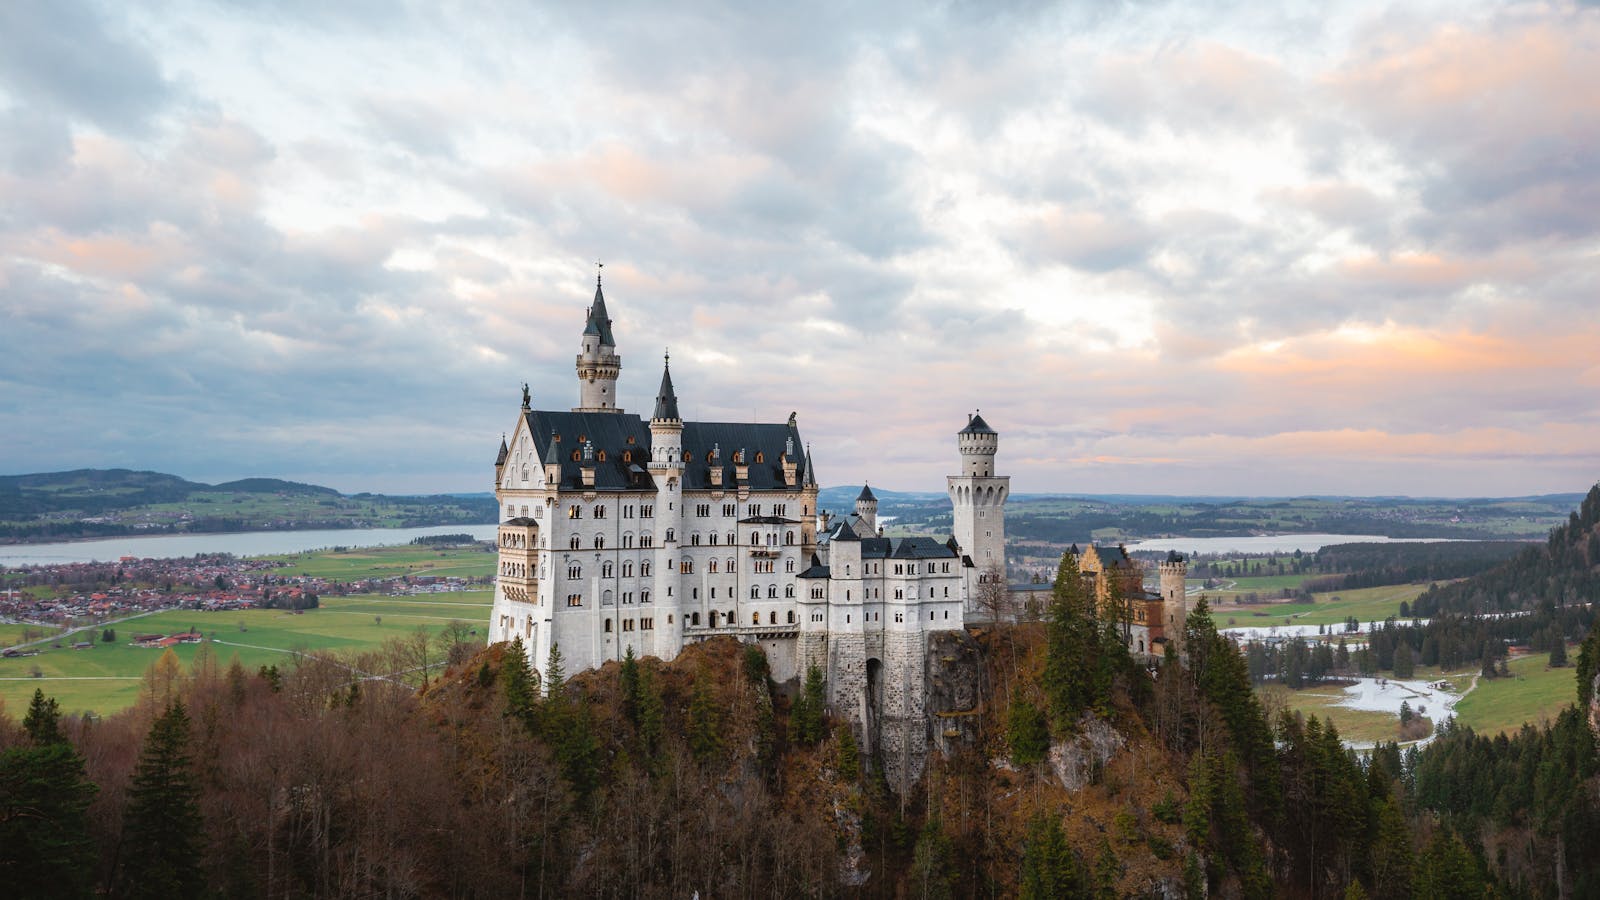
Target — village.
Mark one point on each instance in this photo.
(49, 601)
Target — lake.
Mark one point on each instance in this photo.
(1269, 543)
(247, 543)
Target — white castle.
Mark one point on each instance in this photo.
(619, 532)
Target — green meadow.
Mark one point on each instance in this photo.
(386, 562)
(1534, 693)
(106, 678)
(1366, 604)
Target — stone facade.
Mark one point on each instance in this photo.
(619, 533)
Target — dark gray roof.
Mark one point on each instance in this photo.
(556, 434)
(666, 397)
(843, 532)
(504, 452)
(520, 520)
(1174, 556)
(765, 441)
(976, 425)
(905, 548)
(768, 520)
(866, 494)
(1113, 556)
(810, 476)
(599, 323)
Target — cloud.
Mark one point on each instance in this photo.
(66, 55)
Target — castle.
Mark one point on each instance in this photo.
(621, 532)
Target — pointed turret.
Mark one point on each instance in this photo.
(598, 362)
(810, 479)
(504, 452)
(599, 323)
(666, 397)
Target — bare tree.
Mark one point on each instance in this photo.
(994, 597)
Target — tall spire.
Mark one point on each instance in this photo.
(810, 477)
(599, 322)
(666, 398)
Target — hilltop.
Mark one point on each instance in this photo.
(86, 503)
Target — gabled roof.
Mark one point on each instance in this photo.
(976, 425)
(599, 323)
(504, 452)
(558, 434)
(768, 442)
(905, 548)
(866, 494)
(845, 533)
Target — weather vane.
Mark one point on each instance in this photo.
(598, 265)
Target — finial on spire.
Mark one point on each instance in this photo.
(666, 357)
(598, 265)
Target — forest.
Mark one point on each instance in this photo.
(1090, 776)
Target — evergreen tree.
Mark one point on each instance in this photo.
(1404, 665)
(42, 723)
(1027, 732)
(1072, 665)
(1049, 868)
(1391, 852)
(162, 829)
(652, 715)
(555, 677)
(629, 682)
(806, 713)
(44, 797)
(516, 680)
(931, 863)
(705, 720)
(1588, 665)
(849, 756)
(1558, 652)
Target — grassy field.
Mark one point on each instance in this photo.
(1366, 604)
(384, 562)
(1355, 725)
(1534, 694)
(106, 678)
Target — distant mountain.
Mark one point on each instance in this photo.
(273, 486)
(111, 502)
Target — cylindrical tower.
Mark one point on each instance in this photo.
(666, 467)
(1174, 598)
(598, 363)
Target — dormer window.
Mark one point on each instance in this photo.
(760, 457)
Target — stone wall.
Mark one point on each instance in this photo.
(902, 713)
(955, 690)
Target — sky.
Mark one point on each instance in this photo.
(1187, 247)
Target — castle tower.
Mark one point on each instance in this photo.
(598, 363)
(867, 508)
(666, 468)
(1174, 598)
(978, 497)
(517, 587)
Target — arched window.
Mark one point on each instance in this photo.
(788, 537)
(712, 567)
(608, 626)
(760, 457)
(694, 619)
(788, 566)
(670, 534)
(644, 569)
(755, 618)
(605, 569)
(772, 591)
(755, 539)
(755, 592)
(574, 542)
(791, 617)
(788, 590)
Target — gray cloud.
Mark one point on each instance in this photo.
(66, 54)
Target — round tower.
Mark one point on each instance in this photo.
(978, 444)
(978, 501)
(598, 364)
(867, 508)
(1174, 598)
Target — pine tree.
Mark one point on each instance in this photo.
(652, 715)
(45, 849)
(849, 756)
(630, 687)
(1072, 664)
(555, 677)
(705, 721)
(1027, 732)
(43, 720)
(1404, 665)
(516, 681)
(806, 713)
(1558, 652)
(162, 829)
(931, 861)
(1049, 868)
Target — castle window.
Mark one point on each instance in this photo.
(601, 456)
(688, 456)
(644, 567)
(599, 512)
(702, 510)
(644, 597)
(714, 537)
(947, 614)
(788, 537)
(729, 568)
(599, 542)
(755, 618)
(755, 539)
(791, 617)
(605, 569)
(608, 626)
(627, 455)
(647, 624)
(647, 511)
(694, 539)
(647, 540)
(574, 599)
(728, 616)
(788, 590)
(755, 509)
(772, 617)
(760, 457)
(772, 591)
(627, 512)
(694, 619)
(573, 542)
(930, 615)
(575, 455)
(732, 539)
(898, 617)
(686, 567)
(729, 510)
(574, 572)
(671, 535)
(755, 592)
(712, 567)
(694, 593)
(627, 541)
(574, 511)
(780, 509)
(788, 566)
(630, 440)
